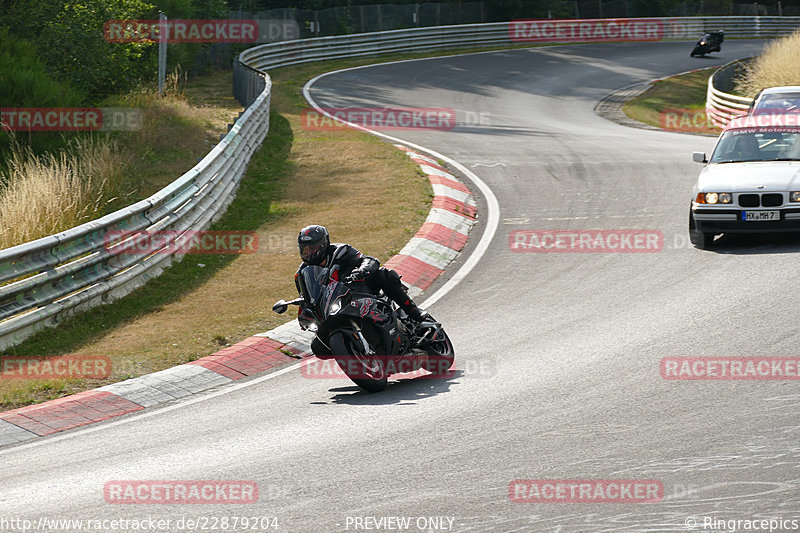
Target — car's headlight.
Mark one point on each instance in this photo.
(714, 198)
(794, 196)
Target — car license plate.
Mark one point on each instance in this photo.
(760, 215)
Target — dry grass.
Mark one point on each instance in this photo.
(777, 66)
(366, 191)
(175, 133)
(42, 195)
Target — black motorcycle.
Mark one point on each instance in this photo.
(368, 335)
(710, 42)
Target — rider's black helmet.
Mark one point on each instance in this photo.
(313, 242)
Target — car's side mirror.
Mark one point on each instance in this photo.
(699, 157)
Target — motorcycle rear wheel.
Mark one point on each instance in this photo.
(370, 370)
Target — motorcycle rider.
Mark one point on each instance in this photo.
(315, 248)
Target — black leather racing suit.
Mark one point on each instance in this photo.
(378, 279)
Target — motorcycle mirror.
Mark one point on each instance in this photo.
(280, 307)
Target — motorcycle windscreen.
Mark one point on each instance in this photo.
(313, 280)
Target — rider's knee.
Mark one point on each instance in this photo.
(390, 276)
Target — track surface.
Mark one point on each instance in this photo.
(559, 353)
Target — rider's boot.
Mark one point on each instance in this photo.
(415, 313)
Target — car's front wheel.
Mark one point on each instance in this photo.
(699, 239)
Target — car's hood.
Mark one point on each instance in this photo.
(757, 176)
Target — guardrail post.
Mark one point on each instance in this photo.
(162, 51)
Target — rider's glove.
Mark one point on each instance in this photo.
(356, 275)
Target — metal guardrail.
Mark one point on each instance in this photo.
(285, 53)
(248, 83)
(47, 279)
(43, 281)
(273, 55)
(721, 106)
(735, 27)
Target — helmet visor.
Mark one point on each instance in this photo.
(310, 252)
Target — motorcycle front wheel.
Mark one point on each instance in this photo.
(366, 371)
(441, 354)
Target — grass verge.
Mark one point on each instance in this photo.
(675, 104)
(366, 191)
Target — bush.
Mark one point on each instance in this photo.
(69, 39)
(25, 82)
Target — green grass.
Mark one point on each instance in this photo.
(682, 92)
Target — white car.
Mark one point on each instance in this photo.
(751, 183)
(776, 100)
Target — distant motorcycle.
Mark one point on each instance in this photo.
(369, 336)
(710, 42)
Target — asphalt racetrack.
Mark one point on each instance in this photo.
(558, 354)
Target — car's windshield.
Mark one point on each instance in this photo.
(758, 144)
(778, 103)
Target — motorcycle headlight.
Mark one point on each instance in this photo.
(336, 307)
